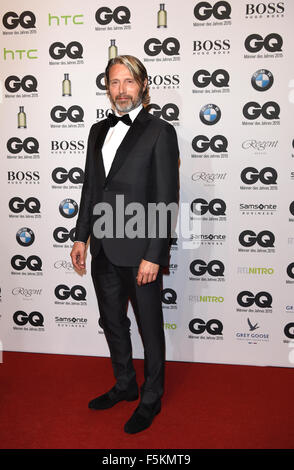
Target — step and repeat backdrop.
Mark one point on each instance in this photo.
(222, 73)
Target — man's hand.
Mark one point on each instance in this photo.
(147, 272)
(78, 254)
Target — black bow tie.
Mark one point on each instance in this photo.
(114, 119)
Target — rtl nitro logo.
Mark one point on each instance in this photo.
(266, 9)
(217, 144)
(216, 207)
(12, 20)
(266, 176)
(269, 110)
(63, 292)
(74, 50)
(213, 327)
(62, 235)
(28, 84)
(15, 145)
(60, 175)
(219, 78)
(168, 112)
(214, 268)
(254, 43)
(264, 239)
(261, 299)
(120, 15)
(21, 318)
(220, 11)
(73, 113)
(169, 47)
(31, 205)
(33, 263)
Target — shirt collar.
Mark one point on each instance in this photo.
(134, 113)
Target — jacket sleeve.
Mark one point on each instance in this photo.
(165, 189)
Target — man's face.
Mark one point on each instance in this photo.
(125, 93)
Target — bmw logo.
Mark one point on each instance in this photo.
(68, 208)
(210, 114)
(25, 236)
(262, 80)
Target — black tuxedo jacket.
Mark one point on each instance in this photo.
(144, 170)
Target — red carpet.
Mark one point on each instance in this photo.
(206, 406)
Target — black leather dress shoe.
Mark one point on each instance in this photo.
(142, 417)
(109, 399)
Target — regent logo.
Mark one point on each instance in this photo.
(203, 176)
(18, 205)
(219, 78)
(290, 270)
(220, 46)
(100, 81)
(61, 175)
(269, 110)
(28, 84)
(12, 20)
(247, 299)
(220, 10)
(166, 81)
(168, 112)
(68, 208)
(62, 235)
(262, 80)
(213, 327)
(169, 47)
(265, 238)
(267, 175)
(63, 292)
(74, 50)
(120, 15)
(217, 144)
(271, 43)
(264, 8)
(33, 263)
(15, 145)
(210, 114)
(168, 296)
(21, 318)
(74, 114)
(25, 236)
(23, 176)
(214, 268)
(259, 145)
(67, 145)
(216, 207)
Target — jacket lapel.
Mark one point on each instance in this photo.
(98, 146)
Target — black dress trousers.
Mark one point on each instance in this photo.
(114, 285)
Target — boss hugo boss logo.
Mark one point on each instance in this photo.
(25, 236)
(219, 78)
(164, 81)
(68, 208)
(74, 114)
(75, 176)
(169, 296)
(217, 46)
(28, 177)
(254, 43)
(31, 205)
(249, 238)
(210, 114)
(216, 207)
(73, 50)
(12, 20)
(262, 80)
(220, 10)
(21, 318)
(251, 175)
(261, 299)
(62, 235)
(120, 15)
(28, 84)
(168, 112)
(262, 9)
(214, 268)
(170, 47)
(217, 144)
(15, 145)
(269, 110)
(62, 146)
(213, 327)
(33, 263)
(63, 292)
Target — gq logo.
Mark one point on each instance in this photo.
(26, 20)
(60, 114)
(168, 112)
(213, 327)
(219, 78)
(28, 83)
(220, 10)
(217, 144)
(265, 239)
(267, 175)
(31, 205)
(74, 50)
(291, 208)
(289, 330)
(100, 81)
(272, 43)
(169, 46)
(168, 296)
(120, 15)
(61, 234)
(270, 110)
(33, 263)
(215, 207)
(61, 175)
(247, 299)
(210, 114)
(30, 145)
(214, 268)
(21, 318)
(290, 270)
(63, 292)
(68, 208)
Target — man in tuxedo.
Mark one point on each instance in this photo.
(131, 164)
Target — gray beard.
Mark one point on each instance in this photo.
(130, 107)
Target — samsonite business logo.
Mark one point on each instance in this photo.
(259, 209)
(210, 147)
(27, 148)
(267, 46)
(264, 10)
(23, 177)
(66, 54)
(23, 22)
(72, 117)
(263, 179)
(212, 13)
(164, 50)
(206, 329)
(67, 179)
(211, 82)
(24, 208)
(109, 19)
(68, 208)
(25, 236)
(252, 241)
(249, 302)
(21, 87)
(201, 270)
(33, 321)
